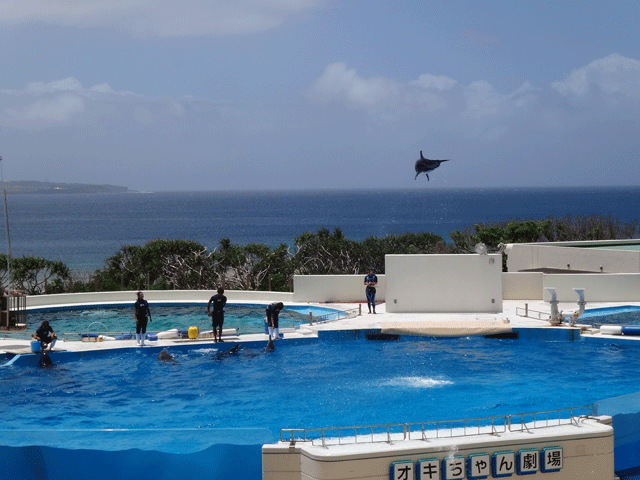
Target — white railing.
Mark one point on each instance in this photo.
(529, 313)
(426, 431)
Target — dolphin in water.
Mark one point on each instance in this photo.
(424, 165)
(254, 353)
(45, 361)
(270, 346)
(165, 356)
(227, 353)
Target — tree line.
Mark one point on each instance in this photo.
(187, 265)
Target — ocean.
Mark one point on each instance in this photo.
(83, 230)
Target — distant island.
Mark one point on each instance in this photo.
(51, 187)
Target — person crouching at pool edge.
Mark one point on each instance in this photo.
(46, 336)
(140, 311)
(371, 281)
(272, 312)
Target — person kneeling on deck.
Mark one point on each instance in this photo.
(46, 336)
(272, 312)
(140, 311)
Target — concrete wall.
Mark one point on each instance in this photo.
(307, 288)
(522, 286)
(587, 454)
(597, 287)
(522, 257)
(156, 296)
(444, 283)
(334, 288)
(623, 287)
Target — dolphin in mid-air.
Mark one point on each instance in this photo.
(424, 165)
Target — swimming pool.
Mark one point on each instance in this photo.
(622, 315)
(247, 318)
(203, 404)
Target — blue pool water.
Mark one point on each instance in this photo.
(309, 383)
(247, 318)
(118, 401)
(622, 315)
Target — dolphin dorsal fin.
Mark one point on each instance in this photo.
(421, 157)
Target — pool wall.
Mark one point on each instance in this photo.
(625, 411)
(215, 463)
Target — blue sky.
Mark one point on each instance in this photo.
(320, 94)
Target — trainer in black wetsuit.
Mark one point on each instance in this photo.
(217, 313)
(272, 312)
(140, 312)
(45, 335)
(371, 281)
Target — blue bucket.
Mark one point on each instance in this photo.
(35, 346)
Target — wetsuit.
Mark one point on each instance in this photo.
(371, 291)
(272, 315)
(44, 334)
(141, 309)
(217, 313)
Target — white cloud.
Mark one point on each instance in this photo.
(60, 101)
(162, 18)
(613, 75)
(387, 98)
(69, 84)
(437, 82)
(343, 84)
(102, 88)
(483, 99)
(379, 96)
(44, 112)
(617, 77)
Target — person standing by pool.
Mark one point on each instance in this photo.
(272, 312)
(371, 281)
(217, 314)
(140, 312)
(46, 336)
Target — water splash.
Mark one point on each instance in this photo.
(417, 382)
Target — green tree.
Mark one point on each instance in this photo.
(324, 253)
(136, 267)
(34, 275)
(4, 273)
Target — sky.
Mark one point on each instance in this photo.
(160, 95)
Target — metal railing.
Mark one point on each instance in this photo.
(333, 316)
(426, 431)
(527, 312)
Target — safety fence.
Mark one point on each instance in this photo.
(426, 431)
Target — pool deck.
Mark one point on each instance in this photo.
(414, 324)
